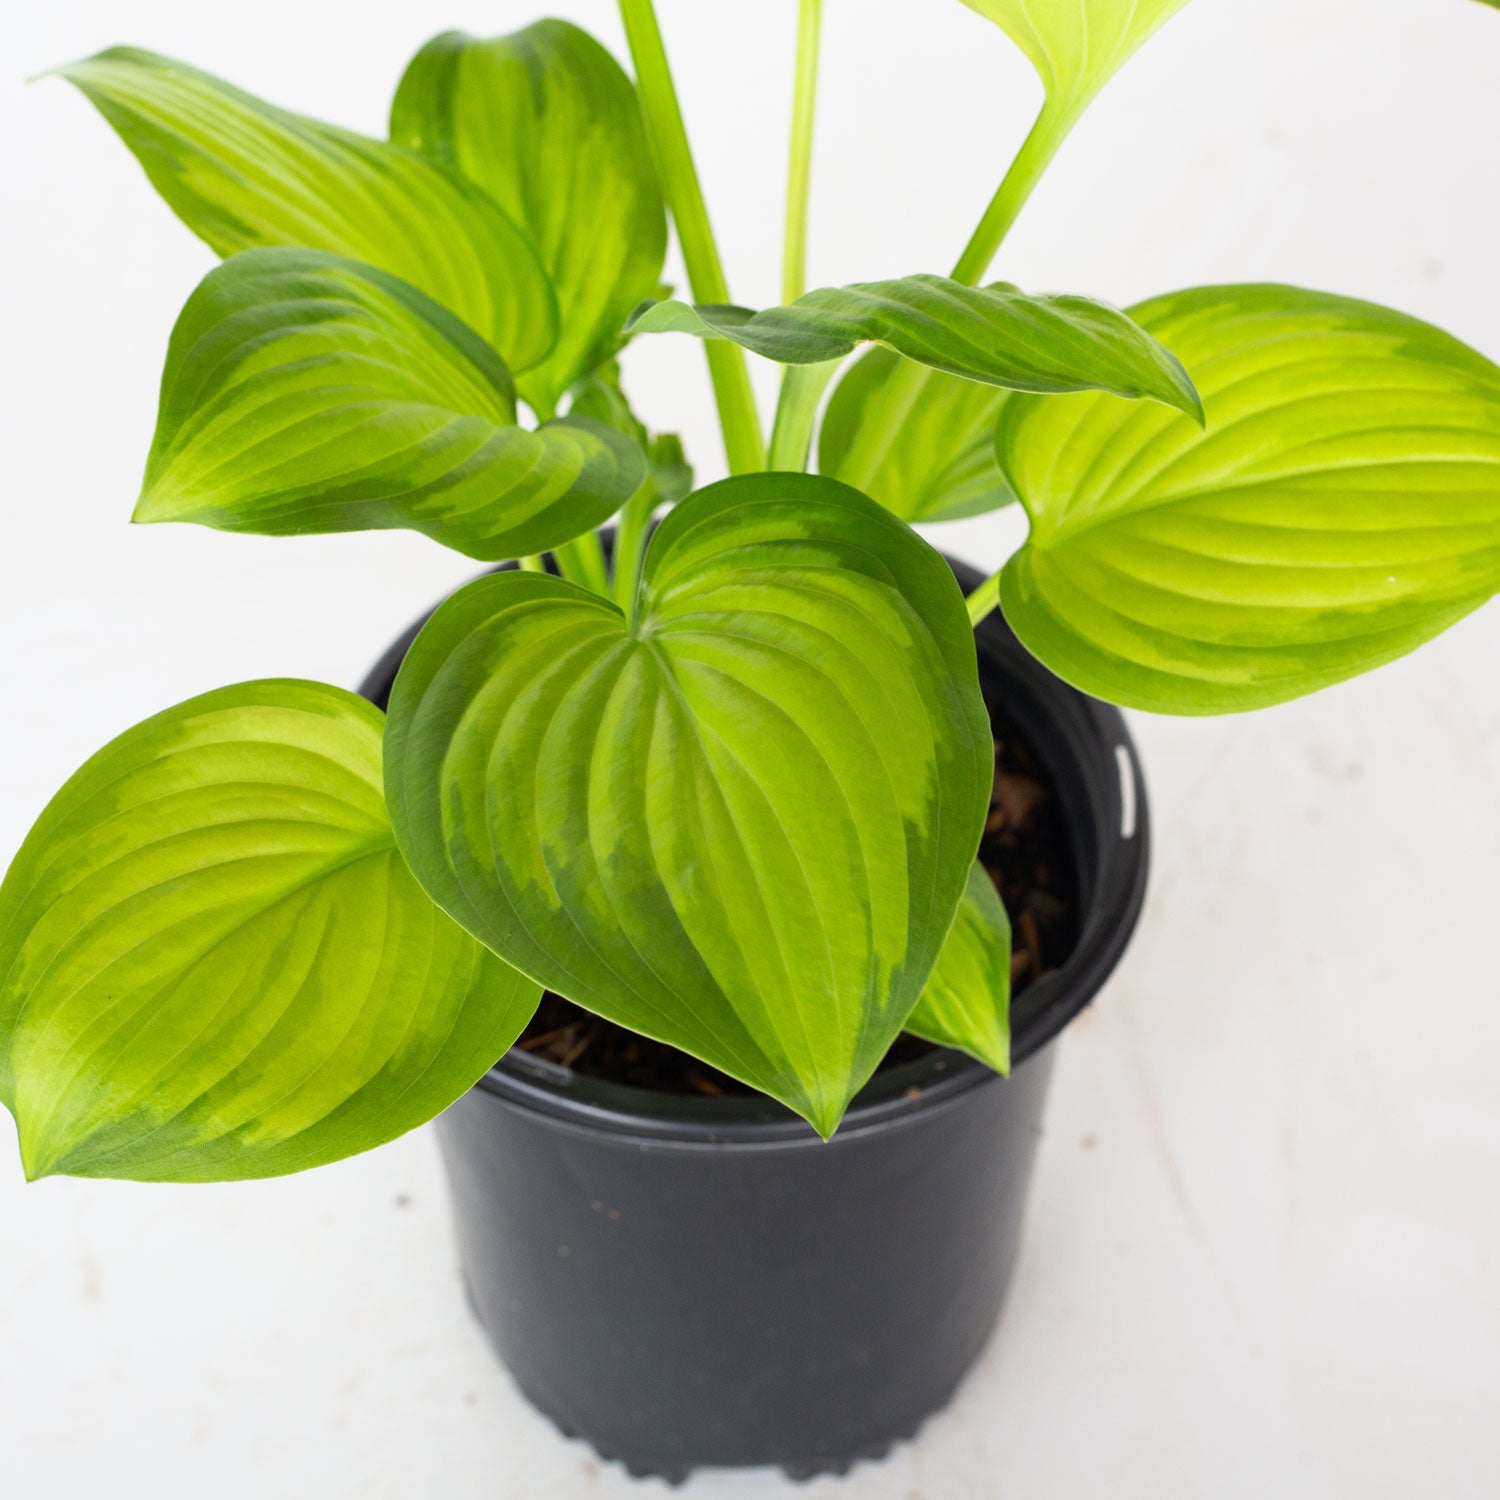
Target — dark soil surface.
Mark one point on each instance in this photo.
(1025, 849)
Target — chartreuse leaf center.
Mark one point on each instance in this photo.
(549, 126)
(938, 462)
(741, 827)
(242, 174)
(214, 962)
(1341, 507)
(304, 392)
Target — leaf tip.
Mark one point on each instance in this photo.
(990, 1046)
(76, 71)
(823, 1114)
(36, 1163)
(639, 311)
(149, 509)
(1185, 397)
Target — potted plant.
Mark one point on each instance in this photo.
(731, 780)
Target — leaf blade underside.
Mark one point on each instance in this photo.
(1077, 46)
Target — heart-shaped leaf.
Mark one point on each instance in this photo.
(967, 1000)
(994, 334)
(214, 963)
(547, 123)
(938, 458)
(739, 822)
(1342, 507)
(1077, 46)
(241, 173)
(308, 393)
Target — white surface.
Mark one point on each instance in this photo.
(1260, 1258)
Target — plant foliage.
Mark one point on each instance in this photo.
(738, 820)
(305, 393)
(214, 962)
(1341, 507)
(724, 783)
(996, 335)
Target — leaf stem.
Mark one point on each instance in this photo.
(1048, 133)
(802, 387)
(581, 561)
(744, 443)
(799, 169)
(908, 380)
(630, 547)
(985, 600)
(1031, 161)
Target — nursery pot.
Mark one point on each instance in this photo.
(694, 1282)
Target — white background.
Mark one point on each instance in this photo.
(1261, 1254)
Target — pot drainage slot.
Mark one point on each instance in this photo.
(1127, 791)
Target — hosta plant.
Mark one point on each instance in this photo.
(724, 782)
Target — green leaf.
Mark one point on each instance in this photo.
(671, 472)
(600, 397)
(1076, 46)
(214, 963)
(994, 334)
(241, 174)
(967, 1000)
(940, 463)
(741, 825)
(1342, 507)
(549, 125)
(307, 393)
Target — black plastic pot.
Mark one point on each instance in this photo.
(689, 1282)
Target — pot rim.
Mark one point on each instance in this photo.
(1113, 888)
